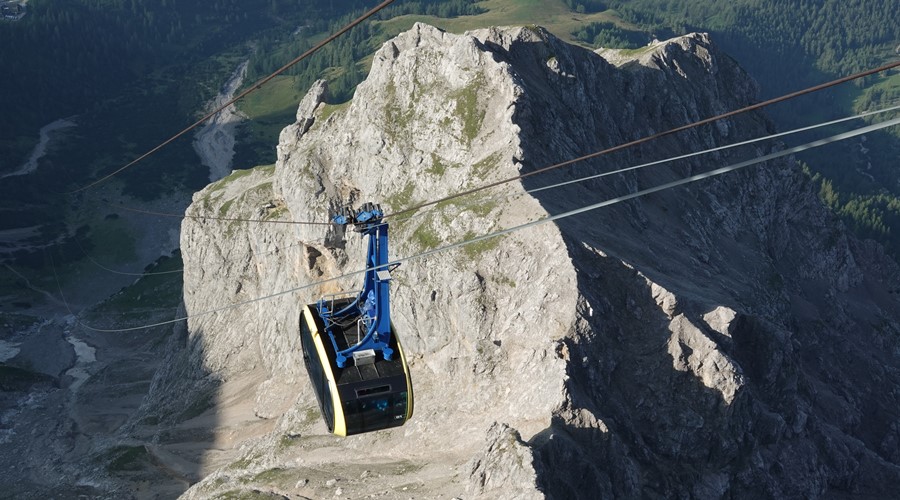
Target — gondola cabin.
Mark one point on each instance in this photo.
(356, 365)
(366, 396)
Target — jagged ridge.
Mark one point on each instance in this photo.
(701, 342)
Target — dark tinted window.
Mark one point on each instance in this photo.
(372, 390)
(375, 412)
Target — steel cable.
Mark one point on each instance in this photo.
(613, 201)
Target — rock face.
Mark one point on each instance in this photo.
(728, 339)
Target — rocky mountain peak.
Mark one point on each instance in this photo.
(700, 342)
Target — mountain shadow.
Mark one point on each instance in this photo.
(734, 341)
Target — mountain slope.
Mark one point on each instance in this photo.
(720, 340)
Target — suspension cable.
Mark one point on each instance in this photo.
(613, 201)
(501, 196)
(566, 163)
(553, 186)
(665, 160)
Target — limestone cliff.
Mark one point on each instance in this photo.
(723, 340)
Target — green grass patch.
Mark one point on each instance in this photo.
(503, 279)
(397, 119)
(243, 463)
(207, 201)
(276, 98)
(261, 189)
(223, 210)
(610, 35)
(330, 109)
(273, 476)
(210, 199)
(269, 109)
(485, 167)
(312, 415)
(159, 289)
(467, 108)
(883, 93)
(482, 208)
(247, 495)
(204, 402)
(426, 236)
(873, 216)
(151, 420)
(438, 167)
(277, 213)
(12, 284)
(476, 203)
(112, 241)
(233, 176)
(11, 323)
(19, 379)
(286, 441)
(17, 150)
(635, 53)
(401, 199)
(127, 458)
(554, 15)
(474, 250)
(774, 281)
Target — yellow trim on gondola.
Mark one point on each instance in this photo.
(409, 388)
(340, 424)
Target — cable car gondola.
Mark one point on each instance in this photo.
(356, 365)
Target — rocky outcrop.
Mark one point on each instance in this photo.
(505, 469)
(727, 339)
